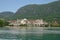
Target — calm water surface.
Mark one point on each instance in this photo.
(34, 33)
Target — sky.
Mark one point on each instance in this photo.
(14, 5)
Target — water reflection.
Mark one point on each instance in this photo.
(34, 33)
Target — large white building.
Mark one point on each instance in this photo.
(24, 21)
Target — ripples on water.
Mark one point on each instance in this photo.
(36, 33)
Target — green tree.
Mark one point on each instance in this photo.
(3, 23)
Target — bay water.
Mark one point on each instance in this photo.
(31, 33)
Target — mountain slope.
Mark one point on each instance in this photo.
(48, 11)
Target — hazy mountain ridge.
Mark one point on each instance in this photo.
(6, 15)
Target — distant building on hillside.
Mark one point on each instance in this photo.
(39, 22)
(14, 22)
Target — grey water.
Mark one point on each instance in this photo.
(31, 33)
